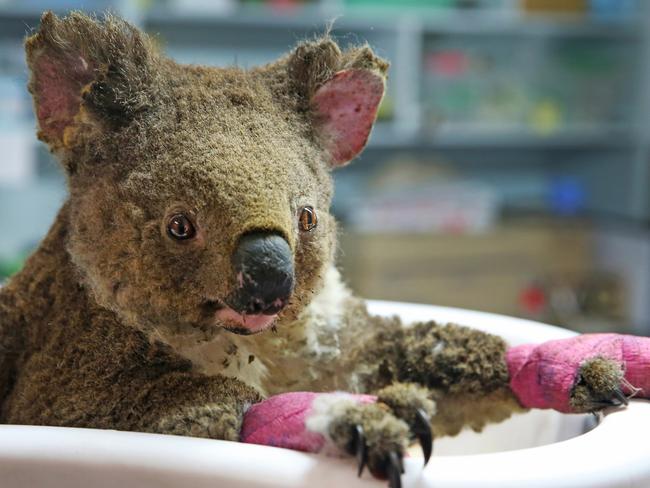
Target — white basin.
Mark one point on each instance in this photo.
(534, 450)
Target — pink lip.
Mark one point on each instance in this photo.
(253, 323)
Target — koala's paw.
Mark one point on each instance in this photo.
(599, 385)
(379, 433)
(213, 421)
(585, 373)
(413, 404)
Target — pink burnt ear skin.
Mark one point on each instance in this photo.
(60, 73)
(345, 109)
(59, 94)
(87, 78)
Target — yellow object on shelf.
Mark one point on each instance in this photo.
(546, 117)
(555, 6)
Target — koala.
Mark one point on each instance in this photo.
(191, 272)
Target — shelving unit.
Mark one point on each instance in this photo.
(399, 37)
(610, 158)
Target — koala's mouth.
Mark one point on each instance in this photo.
(244, 324)
(263, 283)
(236, 322)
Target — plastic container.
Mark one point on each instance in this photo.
(533, 450)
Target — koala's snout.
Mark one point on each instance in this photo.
(263, 265)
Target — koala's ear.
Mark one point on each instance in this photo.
(344, 111)
(87, 76)
(343, 91)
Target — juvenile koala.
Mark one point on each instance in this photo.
(190, 274)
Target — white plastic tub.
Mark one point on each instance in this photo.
(527, 451)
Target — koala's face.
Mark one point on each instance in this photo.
(199, 196)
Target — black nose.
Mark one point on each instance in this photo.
(263, 266)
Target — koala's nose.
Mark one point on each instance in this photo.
(263, 265)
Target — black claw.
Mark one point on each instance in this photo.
(422, 430)
(360, 448)
(606, 404)
(394, 470)
(400, 463)
(603, 404)
(620, 396)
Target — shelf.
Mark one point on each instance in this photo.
(561, 26)
(384, 137)
(304, 18)
(439, 23)
(15, 22)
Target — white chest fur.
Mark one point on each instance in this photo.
(286, 360)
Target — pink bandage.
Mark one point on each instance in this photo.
(543, 375)
(280, 421)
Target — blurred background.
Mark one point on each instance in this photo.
(509, 171)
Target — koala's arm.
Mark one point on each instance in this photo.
(475, 378)
(110, 377)
(10, 325)
(95, 372)
(464, 369)
(195, 405)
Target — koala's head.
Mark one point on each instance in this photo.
(199, 196)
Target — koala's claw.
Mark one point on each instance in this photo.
(620, 396)
(378, 434)
(600, 385)
(359, 442)
(618, 400)
(391, 467)
(412, 403)
(422, 430)
(394, 469)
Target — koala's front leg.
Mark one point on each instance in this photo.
(585, 373)
(196, 406)
(375, 429)
(464, 369)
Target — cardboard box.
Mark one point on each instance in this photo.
(485, 272)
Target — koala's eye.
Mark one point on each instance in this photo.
(308, 219)
(180, 228)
